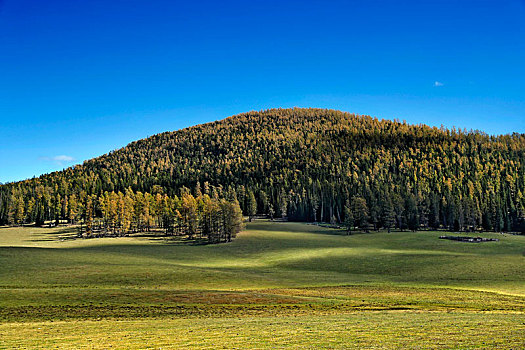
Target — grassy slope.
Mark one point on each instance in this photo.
(273, 273)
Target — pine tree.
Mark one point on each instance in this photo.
(360, 212)
(252, 205)
(349, 219)
(388, 215)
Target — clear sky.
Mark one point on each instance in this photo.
(81, 78)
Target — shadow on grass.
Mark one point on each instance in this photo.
(65, 234)
(71, 234)
(172, 240)
(302, 227)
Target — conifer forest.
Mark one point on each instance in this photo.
(311, 165)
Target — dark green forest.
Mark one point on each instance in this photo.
(303, 165)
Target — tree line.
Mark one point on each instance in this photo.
(119, 214)
(311, 165)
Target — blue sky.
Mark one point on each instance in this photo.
(81, 78)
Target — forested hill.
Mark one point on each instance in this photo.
(308, 164)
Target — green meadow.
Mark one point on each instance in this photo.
(277, 285)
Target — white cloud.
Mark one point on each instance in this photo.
(59, 160)
(63, 158)
(438, 83)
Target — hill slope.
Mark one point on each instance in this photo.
(307, 164)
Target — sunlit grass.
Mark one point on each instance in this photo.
(266, 255)
(377, 330)
(276, 284)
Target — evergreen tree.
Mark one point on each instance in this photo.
(360, 213)
(252, 205)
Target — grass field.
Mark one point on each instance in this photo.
(276, 285)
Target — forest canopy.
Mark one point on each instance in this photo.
(306, 165)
